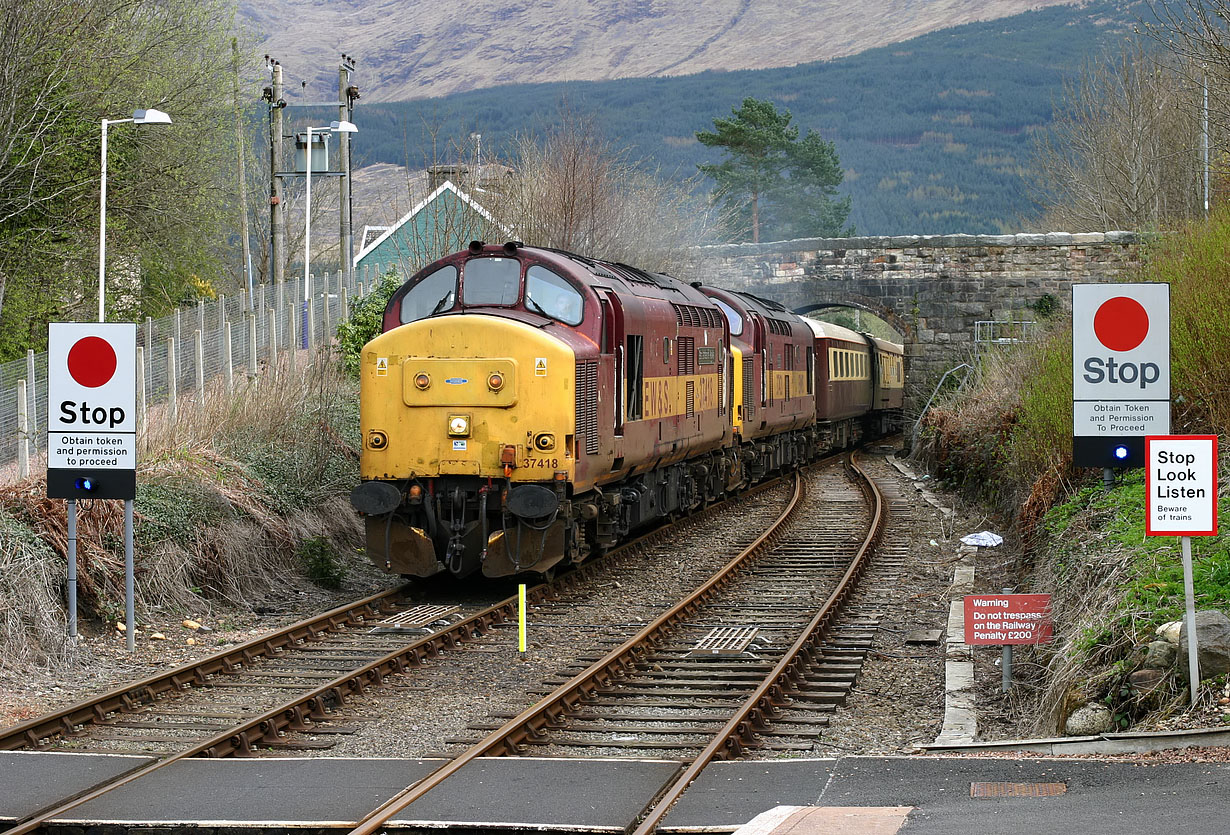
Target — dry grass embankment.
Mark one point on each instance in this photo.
(233, 494)
(1005, 438)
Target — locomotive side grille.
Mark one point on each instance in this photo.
(749, 407)
(688, 315)
(690, 399)
(587, 405)
(691, 316)
(687, 355)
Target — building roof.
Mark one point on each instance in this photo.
(447, 185)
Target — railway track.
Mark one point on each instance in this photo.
(264, 695)
(755, 657)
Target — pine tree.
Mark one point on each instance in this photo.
(771, 179)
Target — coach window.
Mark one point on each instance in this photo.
(732, 317)
(551, 295)
(491, 281)
(433, 294)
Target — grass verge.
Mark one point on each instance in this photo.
(229, 490)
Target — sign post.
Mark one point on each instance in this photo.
(1181, 497)
(92, 432)
(1120, 372)
(1007, 620)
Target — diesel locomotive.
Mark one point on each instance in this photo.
(525, 407)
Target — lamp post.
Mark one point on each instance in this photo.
(139, 117)
(335, 127)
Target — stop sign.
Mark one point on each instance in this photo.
(92, 377)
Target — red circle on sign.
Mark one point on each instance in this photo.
(91, 361)
(1121, 323)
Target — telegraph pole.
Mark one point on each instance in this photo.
(243, 177)
(277, 213)
(346, 95)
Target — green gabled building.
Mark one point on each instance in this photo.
(446, 221)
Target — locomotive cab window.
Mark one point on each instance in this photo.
(732, 317)
(491, 281)
(551, 295)
(435, 293)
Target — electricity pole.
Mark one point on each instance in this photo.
(346, 95)
(246, 267)
(277, 214)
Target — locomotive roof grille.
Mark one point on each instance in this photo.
(637, 276)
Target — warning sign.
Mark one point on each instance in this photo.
(382, 366)
(1007, 619)
(540, 367)
(1181, 485)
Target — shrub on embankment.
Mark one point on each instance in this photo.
(1005, 439)
(230, 494)
(1006, 435)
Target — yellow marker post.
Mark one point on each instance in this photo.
(521, 619)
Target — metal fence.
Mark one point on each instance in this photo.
(184, 351)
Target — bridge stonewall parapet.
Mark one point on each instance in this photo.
(932, 288)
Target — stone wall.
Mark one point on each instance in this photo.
(932, 289)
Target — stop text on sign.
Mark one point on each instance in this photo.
(995, 619)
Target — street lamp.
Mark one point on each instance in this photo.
(334, 127)
(139, 117)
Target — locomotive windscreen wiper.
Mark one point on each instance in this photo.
(445, 302)
(529, 300)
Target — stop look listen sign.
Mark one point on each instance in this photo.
(91, 411)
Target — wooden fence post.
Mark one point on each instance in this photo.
(311, 323)
(273, 339)
(252, 344)
(198, 345)
(141, 416)
(172, 382)
(230, 359)
(292, 326)
(23, 431)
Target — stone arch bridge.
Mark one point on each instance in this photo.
(938, 291)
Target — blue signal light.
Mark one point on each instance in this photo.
(85, 484)
(1121, 452)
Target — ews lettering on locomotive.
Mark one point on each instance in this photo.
(667, 396)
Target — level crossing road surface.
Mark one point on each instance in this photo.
(1098, 797)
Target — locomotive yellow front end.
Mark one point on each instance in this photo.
(468, 446)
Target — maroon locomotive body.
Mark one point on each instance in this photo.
(527, 406)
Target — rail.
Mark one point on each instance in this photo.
(729, 741)
(298, 713)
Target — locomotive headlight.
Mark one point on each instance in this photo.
(422, 380)
(495, 382)
(544, 441)
(458, 425)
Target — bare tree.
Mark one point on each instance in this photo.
(573, 190)
(1123, 149)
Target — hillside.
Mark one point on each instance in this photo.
(934, 133)
(408, 50)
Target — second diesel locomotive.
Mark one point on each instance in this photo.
(527, 406)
